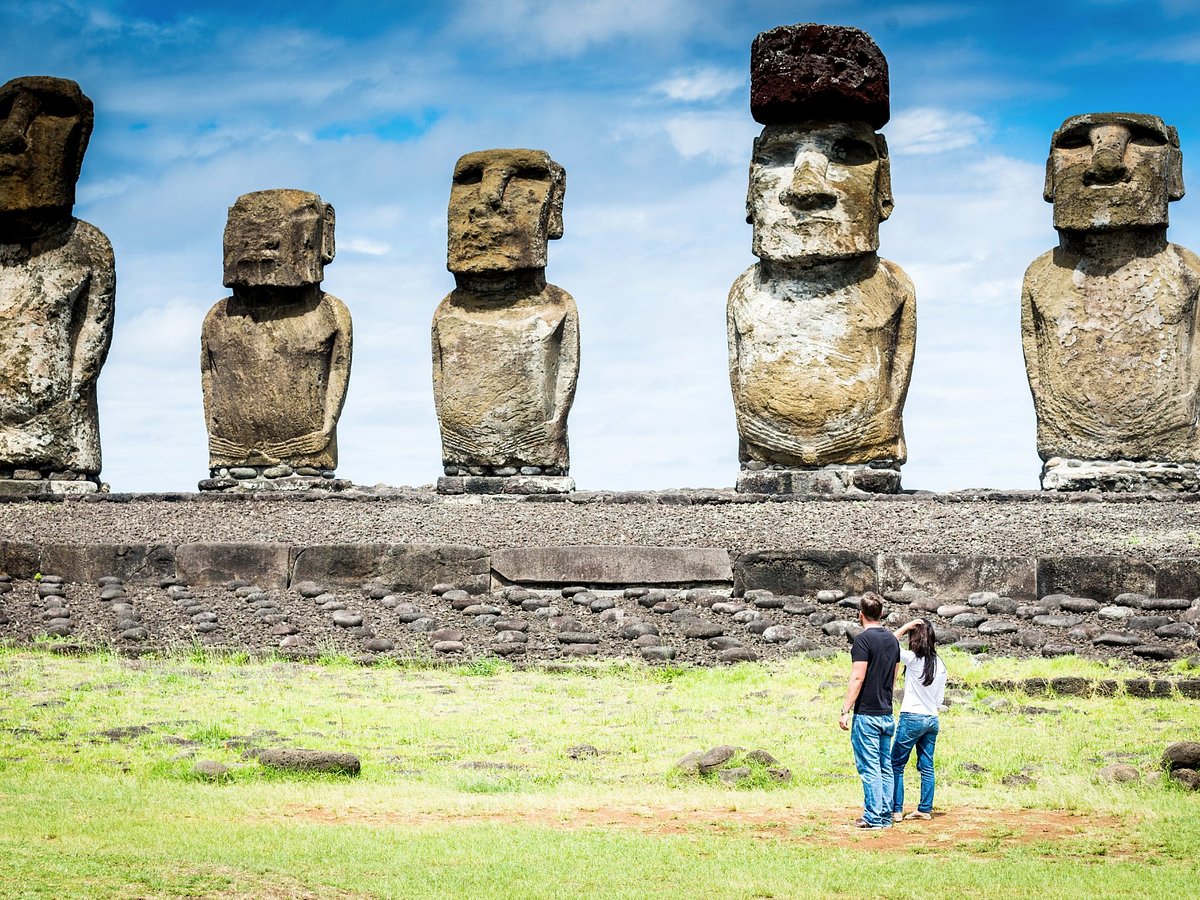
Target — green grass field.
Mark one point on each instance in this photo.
(468, 788)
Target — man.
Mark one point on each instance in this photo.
(876, 661)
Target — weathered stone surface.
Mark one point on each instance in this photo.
(275, 356)
(715, 758)
(399, 567)
(521, 485)
(803, 571)
(505, 343)
(1110, 349)
(821, 330)
(1102, 578)
(88, 562)
(831, 480)
(598, 565)
(812, 71)
(311, 761)
(1182, 755)
(950, 577)
(57, 286)
(268, 565)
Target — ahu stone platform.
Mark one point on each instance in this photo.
(695, 576)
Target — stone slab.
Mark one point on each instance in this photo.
(402, 567)
(86, 563)
(1120, 476)
(518, 485)
(617, 565)
(289, 483)
(1178, 577)
(953, 577)
(804, 571)
(16, 487)
(19, 559)
(265, 564)
(826, 481)
(1097, 577)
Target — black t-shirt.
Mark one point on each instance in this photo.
(880, 650)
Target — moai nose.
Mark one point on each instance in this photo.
(12, 140)
(15, 124)
(809, 189)
(491, 190)
(1108, 156)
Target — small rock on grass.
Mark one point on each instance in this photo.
(210, 769)
(311, 761)
(734, 776)
(715, 758)
(1119, 773)
(763, 757)
(1182, 755)
(581, 751)
(1187, 778)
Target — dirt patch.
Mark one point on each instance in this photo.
(968, 829)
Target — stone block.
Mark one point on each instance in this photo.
(831, 480)
(1098, 577)
(418, 567)
(945, 576)
(339, 564)
(523, 485)
(1177, 577)
(786, 572)
(19, 559)
(267, 565)
(86, 563)
(612, 565)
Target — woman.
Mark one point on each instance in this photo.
(924, 688)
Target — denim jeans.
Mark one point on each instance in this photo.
(871, 738)
(921, 732)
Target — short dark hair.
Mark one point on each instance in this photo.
(871, 606)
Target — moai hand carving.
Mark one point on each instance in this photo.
(275, 357)
(505, 343)
(821, 330)
(1108, 318)
(57, 291)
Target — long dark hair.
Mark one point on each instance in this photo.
(923, 642)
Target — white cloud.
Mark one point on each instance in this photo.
(718, 137)
(701, 84)
(930, 130)
(366, 246)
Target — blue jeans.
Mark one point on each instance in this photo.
(871, 738)
(921, 732)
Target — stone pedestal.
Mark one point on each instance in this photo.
(834, 480)
(505, 484)
(1120, 475)
(17, 487)
(272, 478)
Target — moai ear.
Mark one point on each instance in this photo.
(558, 189)
(883, 180)
(1175, 189)
(327, 243)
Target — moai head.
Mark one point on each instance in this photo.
(820, 180)
(1113, 170)
(504, 206)
(45, 124)
(280, 238)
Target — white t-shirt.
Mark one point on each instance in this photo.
(920, 698)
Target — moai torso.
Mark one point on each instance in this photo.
(500, 372)
(57, 285)
(1109, 317)
(271, 370)
(814, 367)
(505, 343)
(275, 357)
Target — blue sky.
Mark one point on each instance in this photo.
(645, 104)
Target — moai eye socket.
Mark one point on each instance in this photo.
(853, 152)
(1145, 137)
(469, 175)
(1075, 139)
(532, 173)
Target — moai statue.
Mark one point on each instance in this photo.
(57, 291)
(1108, 318)
(505, 343)
(821, 330)
(275, 357)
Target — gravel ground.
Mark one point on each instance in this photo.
(990, 524)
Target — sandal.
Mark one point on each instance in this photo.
(923, 816)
